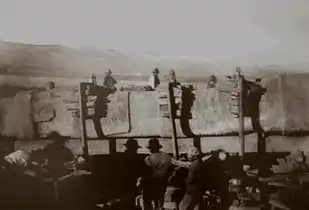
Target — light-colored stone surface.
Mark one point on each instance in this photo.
(16, 116)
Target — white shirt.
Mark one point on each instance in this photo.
(152, 82)
(19, 158)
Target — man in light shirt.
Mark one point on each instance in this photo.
(155, 183)
(154, 80)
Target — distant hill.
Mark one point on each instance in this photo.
(59, 61)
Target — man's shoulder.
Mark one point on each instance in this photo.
(197, 164)
(158, 155)
(164, 154)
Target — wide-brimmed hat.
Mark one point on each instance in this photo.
(156, 70)
(54, 135)
(154, 144)
(108, 71)
(132, 143)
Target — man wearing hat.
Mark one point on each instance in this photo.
(109, 81)
(195, 182)
(154, 80)
(212, 82)
(133, 165)
(57, 154)
(173, 79)
(155, 183)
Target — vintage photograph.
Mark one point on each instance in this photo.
(154, 105)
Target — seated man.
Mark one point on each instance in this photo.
(109, 80)
(21, 177)
(57, 155)
(154, 81)
(173, 81)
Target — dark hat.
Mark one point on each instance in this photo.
(54, 135)
(108, 71)
(132, 143)
(154, 144)
(156, 70)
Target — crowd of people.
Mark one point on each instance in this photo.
(153, 80)
(193, 176)
(145, 176)
(158, 170)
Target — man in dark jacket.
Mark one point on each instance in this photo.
(155, 182)
(133, 166)
(195, 183)
(253, 93)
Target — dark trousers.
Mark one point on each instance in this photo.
(154, 193)
(192, 202)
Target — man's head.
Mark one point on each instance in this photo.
(93, 79)
(172, 75)
(154, 145)
(132, 145)
(213, 77)
(220, 154)
(193, 154)
(109, 72)
(57, 138)
(155, 72)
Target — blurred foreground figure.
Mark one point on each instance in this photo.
(195, 183)
(155, 183)
(20, 176)
(109, 81)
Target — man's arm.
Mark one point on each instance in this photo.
(180, 163)
(192, 172)
(115, 81)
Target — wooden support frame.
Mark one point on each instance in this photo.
(172, 113)
(82, 101)
(241, 112)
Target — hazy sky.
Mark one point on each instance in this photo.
(270, 31)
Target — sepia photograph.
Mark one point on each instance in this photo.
(154, 105)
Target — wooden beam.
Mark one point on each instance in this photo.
(241, 112)
(172, 112)
(82, 109)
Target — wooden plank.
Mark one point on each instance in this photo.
(82, 118)
(172, 119)
(284, 185)
(279, 204)
(241, 112)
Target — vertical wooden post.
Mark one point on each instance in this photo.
(172, 112)
(241, 112)
(112, 146)
(82, 112)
